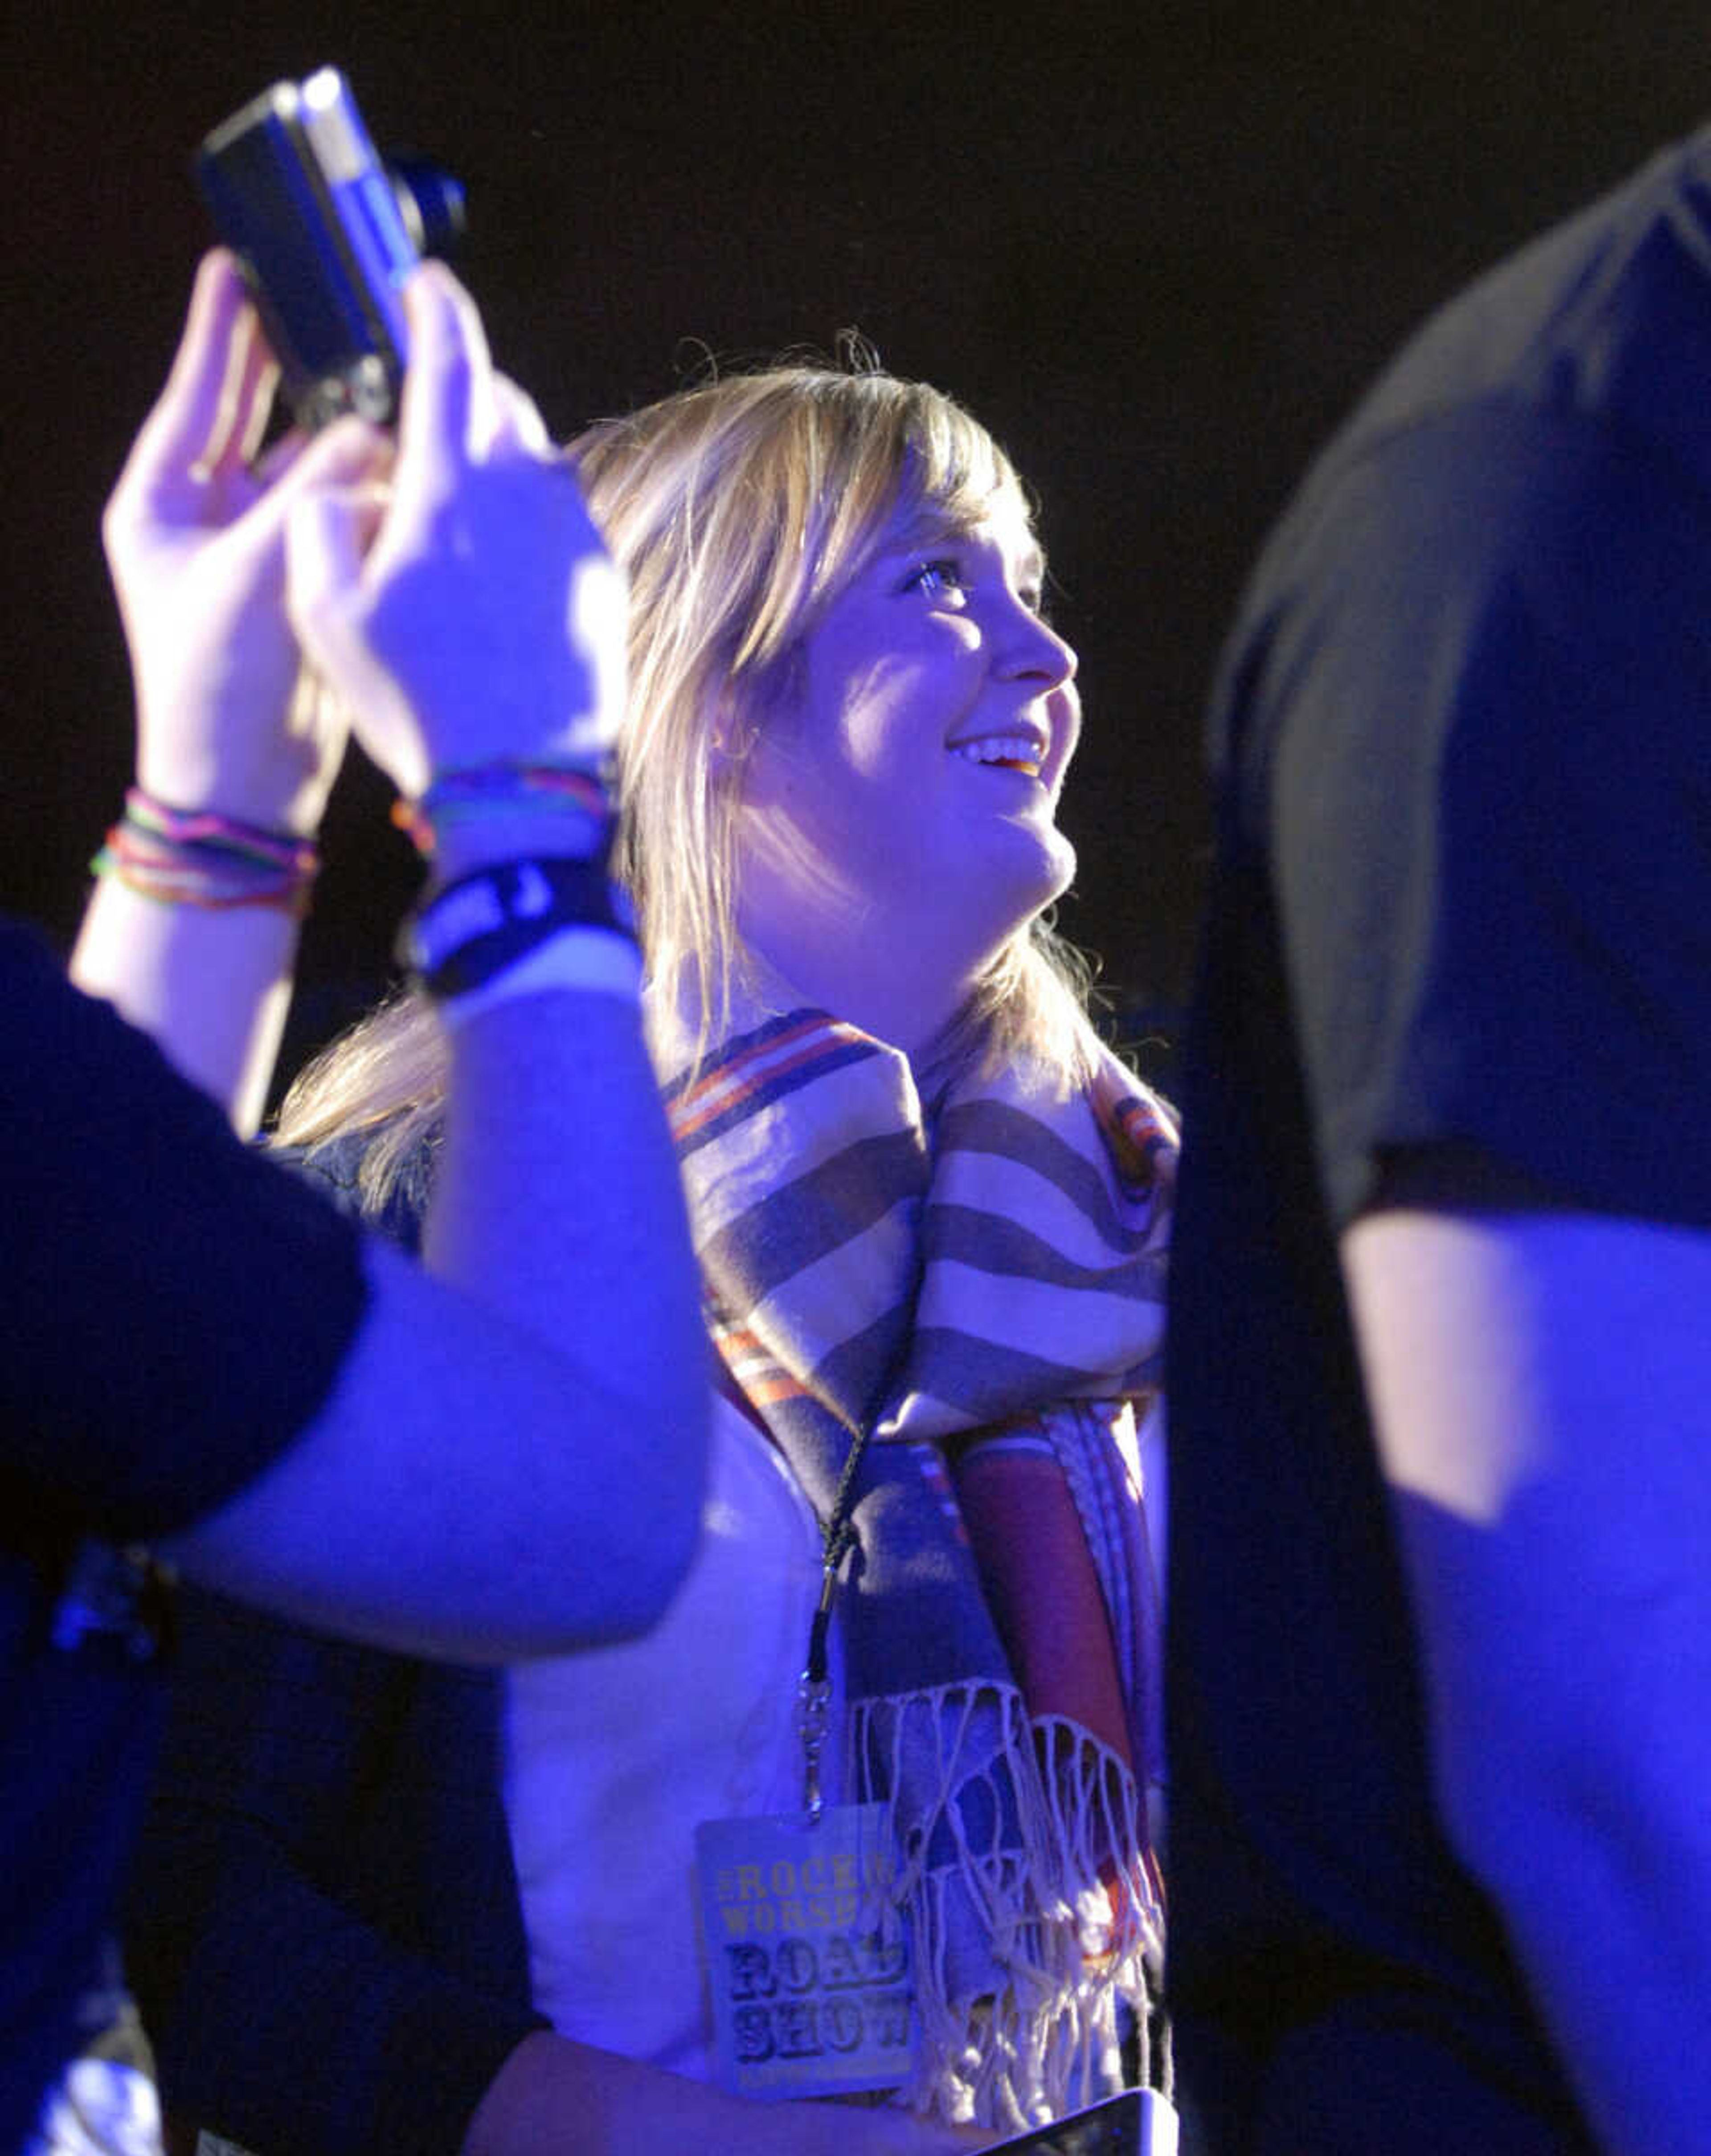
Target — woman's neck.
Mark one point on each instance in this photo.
(903, 994)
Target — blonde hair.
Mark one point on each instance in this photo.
(738, 510)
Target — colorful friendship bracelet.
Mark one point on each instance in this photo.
(199, 858)
(199, 827)
(565, 792)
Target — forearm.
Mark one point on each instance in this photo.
(557, 1201)
(212, 986)
(558, 1197)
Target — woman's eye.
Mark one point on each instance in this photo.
(941, 574)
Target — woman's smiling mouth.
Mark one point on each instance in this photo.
(1020, 752)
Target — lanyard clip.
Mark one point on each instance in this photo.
(813, 1700)
(814, 1691)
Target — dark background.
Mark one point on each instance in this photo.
(1158, 249)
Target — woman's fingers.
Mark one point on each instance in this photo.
(248, 404)
(175, 438)
(485, 618)
(517, 421)
(328, 531)
(351, 450)
(448, 405)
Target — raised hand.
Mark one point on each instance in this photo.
(195, 540)
(474, 615)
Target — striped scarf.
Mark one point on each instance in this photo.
(976, 1283)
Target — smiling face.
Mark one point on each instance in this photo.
(909, 784)
(847, 725)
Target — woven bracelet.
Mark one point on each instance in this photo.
(572, 797)
(197, 857)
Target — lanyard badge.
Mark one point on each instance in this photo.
(807, 1956)
(807, 1960)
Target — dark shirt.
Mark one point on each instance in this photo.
(1458, 907)
(177, 1311)
(327, 1842)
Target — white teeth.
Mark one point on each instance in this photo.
(1002, 748)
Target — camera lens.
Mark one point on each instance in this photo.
(431, 202)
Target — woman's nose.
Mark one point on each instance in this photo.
(1030, 645)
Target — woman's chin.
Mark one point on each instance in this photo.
(1044, 867)
(1032, 869)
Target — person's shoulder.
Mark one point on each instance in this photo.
(77, 1073)
(1601, 322)
(1581, 358)
(39, 997)
(23, 945)
(34, 979)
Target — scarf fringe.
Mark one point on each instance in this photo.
(1040, 1924)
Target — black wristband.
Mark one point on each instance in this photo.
(482, 923)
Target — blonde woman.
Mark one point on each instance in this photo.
(930, 1212)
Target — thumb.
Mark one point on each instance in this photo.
(324, 546)
(328, 532)
(349, 450)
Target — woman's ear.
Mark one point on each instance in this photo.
(763, 700)
(729, 738)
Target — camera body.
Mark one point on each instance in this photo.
(325, 232)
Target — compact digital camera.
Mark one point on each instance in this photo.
(326, 232)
